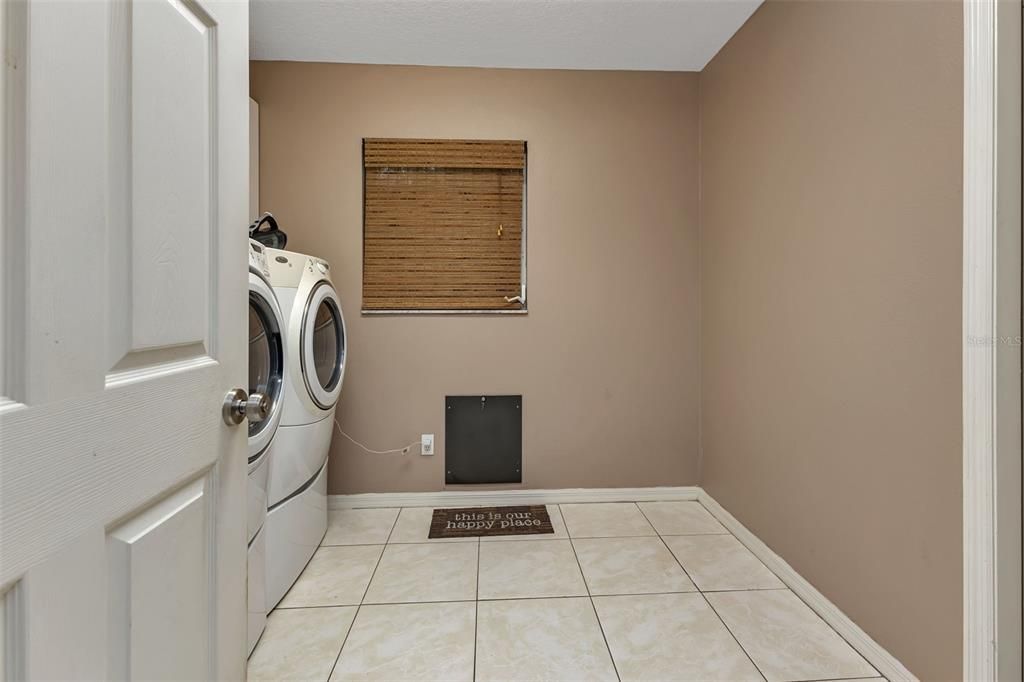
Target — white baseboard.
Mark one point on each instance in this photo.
(872, 651)
(516, 496)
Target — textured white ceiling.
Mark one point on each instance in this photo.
(659, 35)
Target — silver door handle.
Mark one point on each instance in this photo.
(239, 406)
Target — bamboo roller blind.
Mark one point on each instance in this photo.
(442, 224)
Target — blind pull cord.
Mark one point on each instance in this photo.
(521, 298)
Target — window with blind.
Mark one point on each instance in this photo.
(443, 225)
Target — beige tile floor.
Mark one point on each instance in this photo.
(620, 591)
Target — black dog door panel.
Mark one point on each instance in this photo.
(483, 439)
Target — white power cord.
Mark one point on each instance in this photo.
(404, 450)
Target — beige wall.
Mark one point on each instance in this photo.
(831, 247)
(606, 359)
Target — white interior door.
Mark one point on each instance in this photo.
(124, 181)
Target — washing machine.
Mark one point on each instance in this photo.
(267, 360)
(314, 371)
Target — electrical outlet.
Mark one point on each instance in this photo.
(427, 444)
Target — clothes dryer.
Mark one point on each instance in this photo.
(315, 369)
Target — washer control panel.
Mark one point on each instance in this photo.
(289, 269)
(258, 258)
(315, 265)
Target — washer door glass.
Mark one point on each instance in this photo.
(265, 355)
(328, 344)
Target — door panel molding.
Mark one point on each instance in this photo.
(142, 363)
(12, 633)
(173, 142)
(143, 554)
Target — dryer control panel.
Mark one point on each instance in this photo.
(289, 269)
(317, 266)
(258, 258)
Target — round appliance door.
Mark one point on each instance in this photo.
(322, 346)
(266, 362)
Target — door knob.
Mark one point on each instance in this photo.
(239, 406)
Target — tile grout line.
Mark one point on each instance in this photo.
(593, 606)
(706, 600)
(446, 541)
(733, 634)
(527, 538)
(879, 677)
(476, 605)
(562, 596)
(352, 625)
(656, 532)
(793, 592)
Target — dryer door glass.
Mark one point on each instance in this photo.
(328, 344)
(266, 355)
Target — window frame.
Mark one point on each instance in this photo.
(523, 310)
